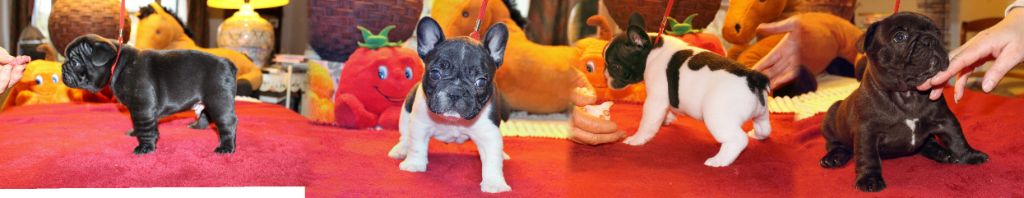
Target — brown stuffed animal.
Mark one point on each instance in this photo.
(534, 78)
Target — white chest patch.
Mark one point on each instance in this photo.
(912, 123)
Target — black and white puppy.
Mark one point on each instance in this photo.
(886, 116)
(456, 101)
(692, 81)
(154, 84)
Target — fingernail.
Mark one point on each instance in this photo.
(987, 85)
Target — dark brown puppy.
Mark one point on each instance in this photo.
(886, 116)
(156, 83)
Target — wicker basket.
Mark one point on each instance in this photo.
(652, 10)
(333, 32)
(72, 18)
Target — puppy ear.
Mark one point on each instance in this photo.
(494, 41)
(864, 42)
(102, 53)
(638, 36)
(428, 35)
(636, 19)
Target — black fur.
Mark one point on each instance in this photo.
(515, 14)
(145, 11)
(460, 70)
(499, 110)
(156, 83)
(411, 98)
(874, 122)
(756, 81)
(672, 74)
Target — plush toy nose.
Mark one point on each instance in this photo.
(737, 27)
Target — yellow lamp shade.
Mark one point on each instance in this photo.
(236, 4)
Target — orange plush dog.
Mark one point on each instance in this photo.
(534, 78)
(592, 63)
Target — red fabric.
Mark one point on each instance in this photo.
(85, 146)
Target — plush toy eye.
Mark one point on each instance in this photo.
(590, 67)
(408, 73)
(900, 37)
(481, 81)
(435, 74)
(465, 14)
(54, 78)
(39, 80)
(382, 72)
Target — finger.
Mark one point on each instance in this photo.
(784, 78)
(1006, 60)
(5, 76)
(967, 57)
(16, 74)
(936, 93)
(769, 60)
(958, 87)
(787, 25)
(787, 65)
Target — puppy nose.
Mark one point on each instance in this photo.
(737, 27)
(453, 97)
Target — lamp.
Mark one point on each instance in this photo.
(246, 31)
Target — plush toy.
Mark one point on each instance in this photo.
(694, 37)
(157, 29)
(831, 37)
(534, 78)
(375, 81)
(592, 125)
(41, 83)
(320, 94)
(592, 63)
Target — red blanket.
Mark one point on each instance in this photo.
(61, 146)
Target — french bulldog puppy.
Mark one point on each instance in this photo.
(456, 101)
(154, 84)
(692, 81)
(886, 116)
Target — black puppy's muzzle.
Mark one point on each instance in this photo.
(928, 58)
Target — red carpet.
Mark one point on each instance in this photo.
(61, 146)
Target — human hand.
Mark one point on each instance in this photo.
(1003, 41)
(782, 63)
(11, 69)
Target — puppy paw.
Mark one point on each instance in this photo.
(870, 183)
(413, 166)
(144, 149)
(718, 161)
(973, 157)
(669, 118)
(835, 159)
(636, 140)
(198, 125)
(757, 136)
(397, 152)
(494, 186)
(505, 156)
(224, 149)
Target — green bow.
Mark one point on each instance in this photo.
(376, 41)
(678, 28)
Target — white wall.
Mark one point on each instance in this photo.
(5, 25)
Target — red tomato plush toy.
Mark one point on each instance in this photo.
(374, 83)
(685, 32)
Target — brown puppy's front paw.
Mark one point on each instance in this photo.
(144, 149)
(870, 182)
(973, 157)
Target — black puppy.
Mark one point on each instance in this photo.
(154, 84)
(886, 116)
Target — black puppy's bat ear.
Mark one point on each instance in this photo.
(102, 53)
(428, 35)
(864, 42)
(494, 41)
(636, 19)
(638, 36)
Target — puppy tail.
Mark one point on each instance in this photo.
(758, 84)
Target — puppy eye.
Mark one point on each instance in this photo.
(408, 73)
(481, 81)
(900, 37)
(39, 80)
(382, 72)
(435, 74)
(54, 78)
(590, 67)
(465, 14)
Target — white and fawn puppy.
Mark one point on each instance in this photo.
(456, 101)
(688, 80)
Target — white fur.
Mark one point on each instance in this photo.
(420, 124)
(722, 100)
(912, 123)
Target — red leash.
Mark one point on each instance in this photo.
(896, 8)
(479, 21)
(664, 20)
(120, 39)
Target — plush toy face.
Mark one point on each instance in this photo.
(458, 17)
(592, 61)
(44, 79)
(381, 77)
(156, 28)
(743, 17)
